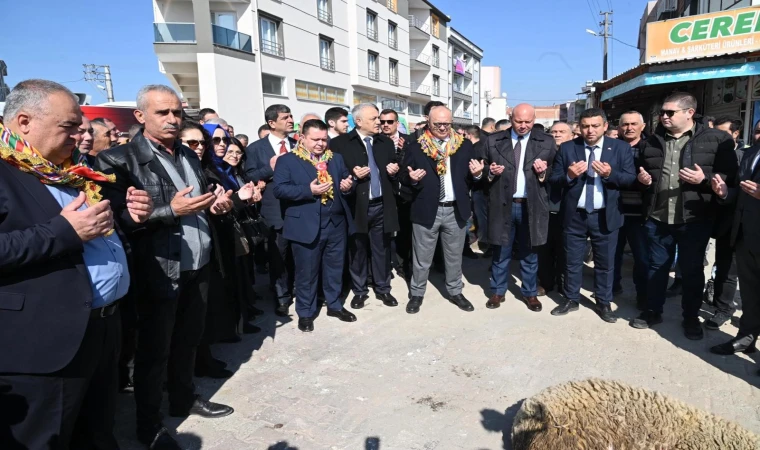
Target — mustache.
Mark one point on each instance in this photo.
(171, 126)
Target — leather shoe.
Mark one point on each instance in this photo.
(532, 303)
(744, 345)
(211, 371)
(462, 303)
(358, 301)
(343, 314)
(388, 299)
(413, 307)
(283, 310)
(541, 291)
(566, 307)
(605, 312)
(692, 329)
(495, 301)
(203, 408)
(646, 320)
(306, 324)
(158, 440)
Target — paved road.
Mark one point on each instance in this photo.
(445, 379)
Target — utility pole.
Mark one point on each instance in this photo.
(95, 73)
(606, 35)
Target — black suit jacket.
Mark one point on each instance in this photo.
(257, 168)
(747, 213)
(354, 153)
(45, 291)
(425, 193)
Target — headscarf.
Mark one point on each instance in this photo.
(225, 171)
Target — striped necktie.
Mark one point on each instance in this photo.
(442, 178)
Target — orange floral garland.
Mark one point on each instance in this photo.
(323, 176)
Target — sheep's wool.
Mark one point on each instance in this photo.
(608, 415)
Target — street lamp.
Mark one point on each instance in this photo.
(592, 32)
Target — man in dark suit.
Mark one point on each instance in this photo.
(371, 159)
(259, 168)
(518, 211)
(744, 193)
(440, 169)
(591, 171)
(63, 272)
(479, 193)
(311, 182)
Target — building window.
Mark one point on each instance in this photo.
(326, 55)
(364, 98)
(372, 66)
(392, 35)
(436, 85)
(226, 20)
(435, 25)
(393, 72)
(272, 84)
(371, 25)
(392, 5)
(324, 11)
(436, 57)
(271, 36)
(415, 109)
(319, 93)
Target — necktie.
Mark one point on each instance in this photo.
(590, 179)
(283, 148)
(442, 178)
(518, 157)
(374, 172)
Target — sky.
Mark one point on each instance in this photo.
(541, 45)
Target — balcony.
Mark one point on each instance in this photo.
(393, 79)
(372, 34)
(463, 114)
(324, 16)
(437, 91)
(393, 42)
(468, 73)
(463, 94)
(173, 33)
(272, 48)
(327, 64)
(392, 5)
(420, 61)
(422, 89)
(231, 39)
(436, 62)
(418, 29)
(373, 74)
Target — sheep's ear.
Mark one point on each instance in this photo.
(529, 424)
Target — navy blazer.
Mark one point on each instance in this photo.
(425, 193)
(292, 177)
(618, 155)
(257, 168)
(45, 290)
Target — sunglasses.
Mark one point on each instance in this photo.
(443, 125)
(670, 112)
(387, 122)
(194, 143)
(219, 140)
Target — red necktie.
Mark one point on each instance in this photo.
(283, 149)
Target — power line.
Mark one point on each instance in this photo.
(624, 43)
(72, 81)
(591, 11)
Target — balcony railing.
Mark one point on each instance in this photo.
(373, 74)
(174, 33)
(461, 93)
(392, 42)
(436, 62)
(419, 88)
(419, 24)
(437, 91)
(372, 34)
(392, 5)
(418, 56)
(393, 79)
(231, 39)
(272, 48)
(463, 114)
(324, 15)
(327, 63)
(468, 73)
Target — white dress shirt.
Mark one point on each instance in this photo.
(449, 195)
(371, 141)
(274, 141)
(520, 191)
(599, 200)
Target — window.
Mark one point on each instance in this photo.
(436, 55)
(415, 109)
(372, 66)
(227, 20)
(272, 84)
(364, 98)
(436, 85)
(435, 25)
(371, 25)
(326, 57)
(319, 93)
(324, 11)
(392, 5)
(393, 72)
(271, 36)
(392, 35)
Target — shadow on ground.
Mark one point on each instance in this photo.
(498, 422)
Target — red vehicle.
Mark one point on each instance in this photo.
(122, 116)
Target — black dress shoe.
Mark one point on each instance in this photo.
(646, 320)
(692, 329)
(249, 328)
(231, 340)
(566, 307)
(744, 345)
(358, 301)
(462, 303)
(413, 307)
(203, 408)
(306, 324)
(605, 312)
(388, 299)
(400, 272)
(217, 373)
(158, 440)
(283, 310)
(342, 314)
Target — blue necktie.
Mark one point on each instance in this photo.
(374, 173)
(590, 179)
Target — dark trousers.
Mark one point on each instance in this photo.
(634, 233)
(590, 225)
(692, 239)
(169, 330)
(480, 207)
(128, 311)
(402, 246)
(748, 264)
(72, 408)
(280, 266)
(325, 255)
(551, 256)
(376, 244)
(519, 230)
(726, 274)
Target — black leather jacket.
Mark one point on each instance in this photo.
(156, 244)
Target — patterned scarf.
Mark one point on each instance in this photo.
(75, 173)
(319, 163)
(430, 147)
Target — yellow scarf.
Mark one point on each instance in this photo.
(431, 148)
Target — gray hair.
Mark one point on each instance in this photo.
(310, 114)
(357, 109)
(627, 113)
(142, 101)
(31, 96)
(559, 122)
(217, 121)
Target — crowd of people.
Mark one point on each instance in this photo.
(142, 248)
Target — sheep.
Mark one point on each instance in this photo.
(598, 414)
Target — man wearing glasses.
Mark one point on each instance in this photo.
(678, 162)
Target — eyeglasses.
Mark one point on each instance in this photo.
(219, 140)
(443, 125)
(387, 122)
(194, 143)
(670, 112)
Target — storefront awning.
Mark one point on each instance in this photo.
(677, 76)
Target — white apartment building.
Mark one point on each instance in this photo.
(493, 102)
(464, 77)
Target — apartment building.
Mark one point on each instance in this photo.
(4, 89)
(493, 101)
(464, 77)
